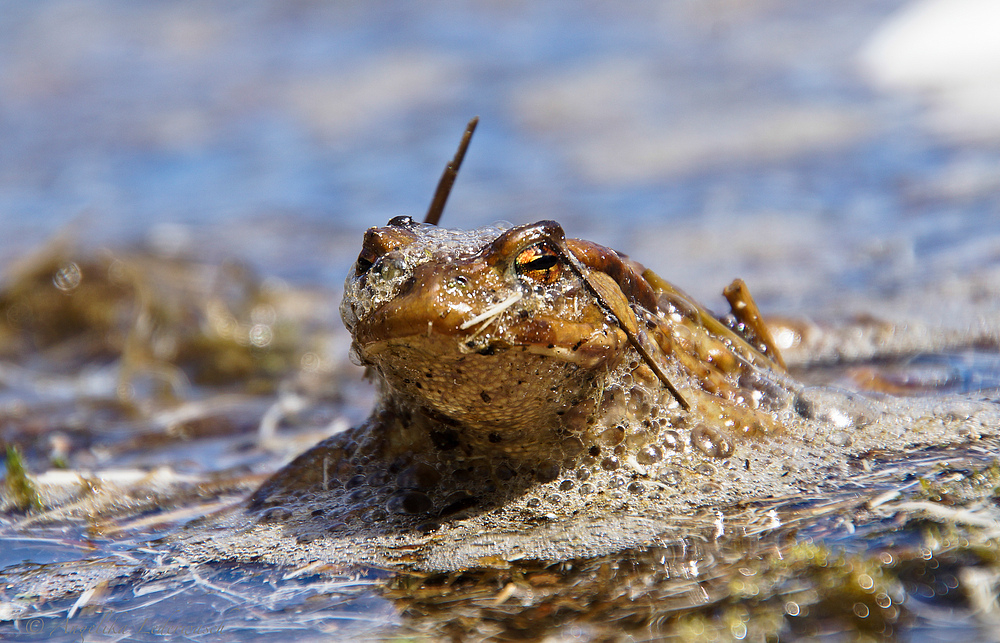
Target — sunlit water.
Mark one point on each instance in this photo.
(707, 140)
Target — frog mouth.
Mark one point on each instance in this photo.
(512, 391)
(581, 344)
(421, 319)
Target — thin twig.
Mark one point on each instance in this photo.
(448, 177)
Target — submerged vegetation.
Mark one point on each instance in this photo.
(171, 320)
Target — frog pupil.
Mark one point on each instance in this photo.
(537, 259)
(541, 263)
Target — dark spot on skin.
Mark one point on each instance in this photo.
(494, 438)
(317, 512)
(503, 472)
(445, 440)
(595, 451)
(486, 397)
(746, 464)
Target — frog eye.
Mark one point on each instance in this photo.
(539, 262)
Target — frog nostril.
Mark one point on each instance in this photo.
(362, 266)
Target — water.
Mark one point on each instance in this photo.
(310, 121)
(708, 140)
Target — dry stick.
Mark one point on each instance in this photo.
(449, 175)
(581, 272)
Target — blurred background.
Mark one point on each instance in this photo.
(843, 158)
(821, 151)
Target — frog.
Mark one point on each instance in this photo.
(528, 380)
(546, 397)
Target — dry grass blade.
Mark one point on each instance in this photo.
(581, 272)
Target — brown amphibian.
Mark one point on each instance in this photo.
(529, 379)
(517, 365)
(547, 397)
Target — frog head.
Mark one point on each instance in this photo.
(489, 328)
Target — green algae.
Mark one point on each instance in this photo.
(964, 487)
(22, 492)
(167, 320)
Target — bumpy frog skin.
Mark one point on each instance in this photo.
(529, 380)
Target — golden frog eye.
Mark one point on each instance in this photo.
(539, 262)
